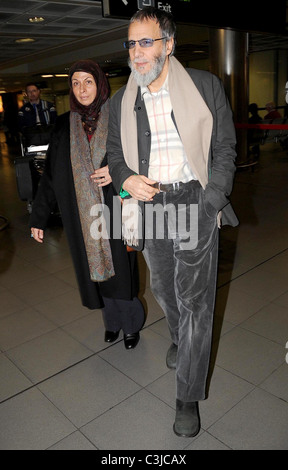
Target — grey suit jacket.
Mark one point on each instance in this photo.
(222, 149)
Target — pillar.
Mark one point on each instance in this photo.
(229, 61)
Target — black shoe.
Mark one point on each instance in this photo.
(131, 340)
(187, 421)
(111, 336)
(172, 356)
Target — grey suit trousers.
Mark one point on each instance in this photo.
(183, 277)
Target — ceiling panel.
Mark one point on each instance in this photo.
(73, 29)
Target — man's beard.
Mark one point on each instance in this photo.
(146, 79)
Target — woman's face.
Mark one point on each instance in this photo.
(84, 87)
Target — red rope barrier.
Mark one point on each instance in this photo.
(261, 126)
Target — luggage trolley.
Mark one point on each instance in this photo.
(29, 166)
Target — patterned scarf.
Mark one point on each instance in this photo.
(85, 158)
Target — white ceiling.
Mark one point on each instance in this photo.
(72, 29)
(75, 29)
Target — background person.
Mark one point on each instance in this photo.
(106, 272)
(36, 111)
(272, 111)
(254, 135)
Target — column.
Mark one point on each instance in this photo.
(229, 61)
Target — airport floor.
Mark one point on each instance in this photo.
(63, 388)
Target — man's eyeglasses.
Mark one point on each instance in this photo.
(142, 43)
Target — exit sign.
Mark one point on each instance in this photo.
(220, 14)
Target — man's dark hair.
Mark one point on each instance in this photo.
(31, 84)
(165, 20)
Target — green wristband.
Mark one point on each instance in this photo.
(123, 193)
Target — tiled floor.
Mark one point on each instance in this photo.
(62, 387)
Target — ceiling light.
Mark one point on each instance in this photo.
(36, 19)
(61, 75)
(21, 40)
(48, 75)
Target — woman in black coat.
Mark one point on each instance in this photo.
(77, 177)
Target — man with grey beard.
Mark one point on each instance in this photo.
(171, 143)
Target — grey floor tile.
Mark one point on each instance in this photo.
(30, 422)
(248, 355)
(76, 441)
(236, 306)
(282, 300)
(13, 380)
(140, 422)
(271, 322)
(277, 382)
(68, 276)
(43, 288)
(161, 328)
(22, 326)
(55, 262)
(89, 330)
(206, 442)
(64, 308)
(88, 389)
(224, 392)
(48, 354)
(145, 363)
(10, 303)
(260, 283)
(16, 272)
(278, 264)
(258, 422)
(164, 388)
(220, 328)
(32, 251)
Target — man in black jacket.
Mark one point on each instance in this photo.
(36, 111)
(171, 151)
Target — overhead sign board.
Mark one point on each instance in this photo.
(244, 15)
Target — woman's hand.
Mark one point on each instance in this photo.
(102, 176)
(37, 234)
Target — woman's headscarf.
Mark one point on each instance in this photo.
(89, 114)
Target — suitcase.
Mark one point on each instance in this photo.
(24, 177)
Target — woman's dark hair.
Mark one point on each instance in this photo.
(165, 20)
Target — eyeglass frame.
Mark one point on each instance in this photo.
(149, 44)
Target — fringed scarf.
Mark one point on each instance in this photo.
(194, 122)
(85, 158)
(90, 123)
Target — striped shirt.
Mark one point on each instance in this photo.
(168, 160)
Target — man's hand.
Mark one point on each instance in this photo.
(139, 187)
(37, 234)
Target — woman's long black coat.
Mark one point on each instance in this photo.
(57, 185)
